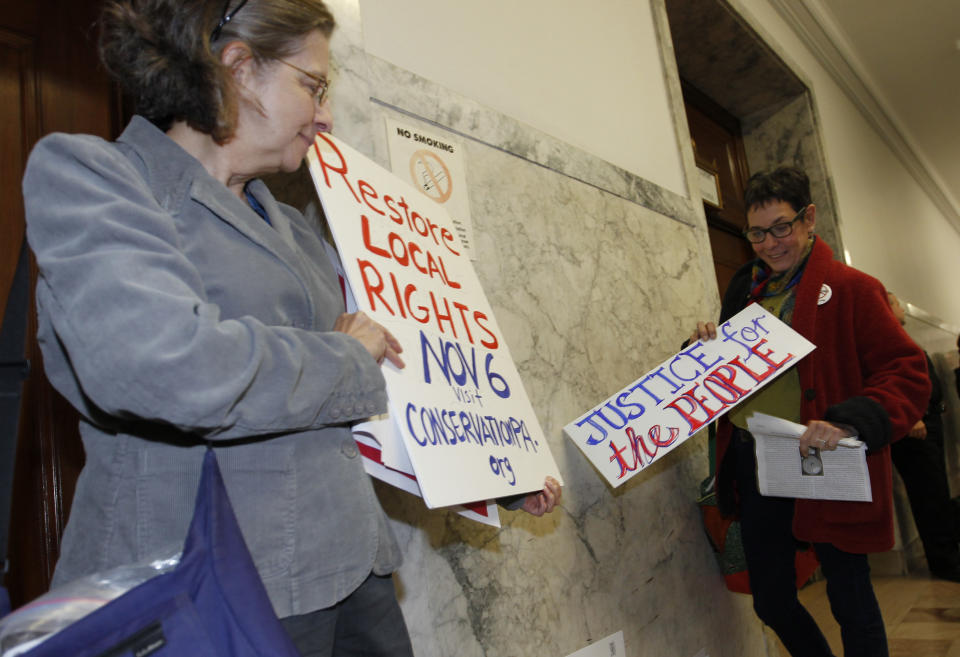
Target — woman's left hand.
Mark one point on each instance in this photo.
(821, 435)
(543, 502)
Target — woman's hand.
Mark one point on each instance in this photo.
(821, 435)
(537, 504)
(704, 331)
(919, 431)
(374, 337)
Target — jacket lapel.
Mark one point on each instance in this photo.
(177, 178)
(230, 209)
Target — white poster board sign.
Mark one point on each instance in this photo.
(369, 437)
(659, 411)
(465, 418)
(611, 646)
(433, 163)
(373, 435)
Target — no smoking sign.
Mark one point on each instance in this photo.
(434, 163)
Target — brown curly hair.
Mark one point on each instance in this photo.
(161, 52)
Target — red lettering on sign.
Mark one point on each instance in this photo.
(340, 168)
(636, 444)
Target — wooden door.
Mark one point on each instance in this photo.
(718, 151)
(50, 80)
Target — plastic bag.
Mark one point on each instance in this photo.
(37, 621)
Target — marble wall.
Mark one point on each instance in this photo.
(595, 276)
(791, 135)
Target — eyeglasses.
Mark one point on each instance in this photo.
(225, 18)
(323, 85)
(757, 235)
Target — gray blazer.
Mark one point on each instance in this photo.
(171, 315)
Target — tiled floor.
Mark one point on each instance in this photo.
(922, 615)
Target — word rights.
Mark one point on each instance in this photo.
(459, 406)
(671, 402)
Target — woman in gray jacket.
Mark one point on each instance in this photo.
(181, 305)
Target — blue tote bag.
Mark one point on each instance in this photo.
(213, 604)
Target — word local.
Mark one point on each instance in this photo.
(407, 253)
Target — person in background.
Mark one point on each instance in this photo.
(919, 459)
(181, 306)
(866, 378)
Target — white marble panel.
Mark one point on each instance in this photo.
(594, 277)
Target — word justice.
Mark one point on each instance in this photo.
(722, 387)
(366, 194)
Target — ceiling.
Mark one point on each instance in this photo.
(905, 54)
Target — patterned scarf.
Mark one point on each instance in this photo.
(765, 284)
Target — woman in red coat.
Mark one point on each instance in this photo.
(865, 378)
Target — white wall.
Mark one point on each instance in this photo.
(592, 286)
(594, 79)
(589, 77)
(890, 228)
(595, 275)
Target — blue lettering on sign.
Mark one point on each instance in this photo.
(501, 466)
(468, 396)
(441, 426)
(746, 335)
(458, 368)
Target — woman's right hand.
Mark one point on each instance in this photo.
(704, 331)
(375, 338)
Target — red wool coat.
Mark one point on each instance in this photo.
(865, 372)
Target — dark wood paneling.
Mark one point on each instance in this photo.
(51, 73)
(718, 148)
(18, 129)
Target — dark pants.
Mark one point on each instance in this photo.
(367, 623)
(770, 549)
(922, 468)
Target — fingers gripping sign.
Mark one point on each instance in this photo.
(377, 340)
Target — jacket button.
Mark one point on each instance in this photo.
(810, 394)
(349, 448)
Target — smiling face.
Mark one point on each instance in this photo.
(781, 253)
(277, 133)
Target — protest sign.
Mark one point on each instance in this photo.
(611, 646)
(369, 437)
(660, 410)
(465, 420)
(374, 434)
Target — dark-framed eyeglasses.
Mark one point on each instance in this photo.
(323, 85)
(757, 235)
(225, 18)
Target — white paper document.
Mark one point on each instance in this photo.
(839, 474)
